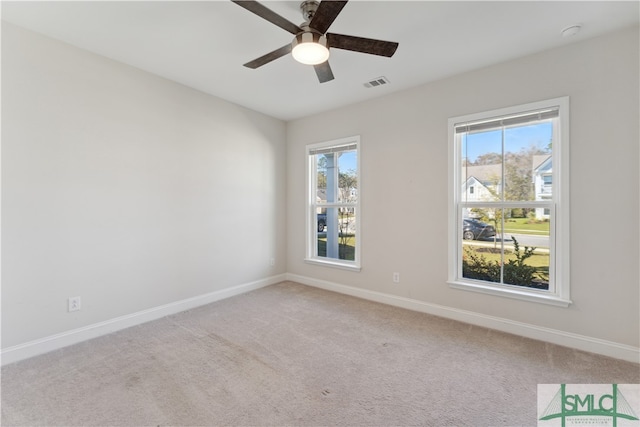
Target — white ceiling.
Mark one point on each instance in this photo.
(203, 44)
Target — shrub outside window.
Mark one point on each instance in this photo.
(333, 208)
(508, 204)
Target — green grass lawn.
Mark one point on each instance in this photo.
(535, 260)
(526, 226)
(346, 251)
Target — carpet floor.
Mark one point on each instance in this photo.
(293, 355)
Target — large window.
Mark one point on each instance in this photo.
(509, 202)
(333, 209)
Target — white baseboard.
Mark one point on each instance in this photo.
(64, 339)
(554, 336)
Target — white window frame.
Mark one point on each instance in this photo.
(312, 205)
(559, 287)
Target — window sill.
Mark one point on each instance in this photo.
(508, 292)
(335, 264)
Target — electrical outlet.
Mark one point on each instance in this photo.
(272, 262)
(396, 277)
(74, 304)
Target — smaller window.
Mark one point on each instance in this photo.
(333, 209)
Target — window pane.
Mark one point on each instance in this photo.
(481, 166)
(338, 239)
(347, 177)
(526, 240)
(507, 246)
(482, 245)
(321, 179)
(527, 148)
(346, 190)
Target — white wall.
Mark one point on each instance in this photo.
(404, 186)
(132, 191)
(126, 189)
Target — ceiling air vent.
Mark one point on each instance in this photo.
(379, 81)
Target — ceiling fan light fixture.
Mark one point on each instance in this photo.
(310, 49)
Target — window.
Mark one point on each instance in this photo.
(333, 209)
(511, 238)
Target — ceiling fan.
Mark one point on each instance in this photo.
(312, 42)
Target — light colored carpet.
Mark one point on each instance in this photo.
(289, 354)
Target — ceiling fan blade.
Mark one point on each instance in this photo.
(327, 12)
(265, 59)
(360, 44)
(266, 13)
(323, 71)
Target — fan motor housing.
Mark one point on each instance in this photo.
(308, 9)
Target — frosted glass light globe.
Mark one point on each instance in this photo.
(307, 51)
